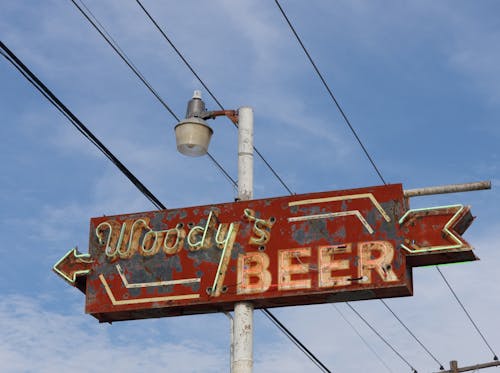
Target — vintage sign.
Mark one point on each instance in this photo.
(302, 249)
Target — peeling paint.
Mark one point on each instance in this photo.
(283, 251)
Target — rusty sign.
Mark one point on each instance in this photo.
(302, 249)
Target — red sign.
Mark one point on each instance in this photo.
(303, 249)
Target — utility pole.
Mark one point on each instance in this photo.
(193, 137)
(243, 311)
(455, 369)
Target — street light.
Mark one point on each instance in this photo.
(193, 137)
(193, 133)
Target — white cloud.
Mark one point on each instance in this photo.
(37, 340)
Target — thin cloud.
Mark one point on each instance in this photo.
(37, 340)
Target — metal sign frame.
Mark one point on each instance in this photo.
(302, 249)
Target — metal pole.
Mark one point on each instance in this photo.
(245, 153)
(451, 188)
(231, 334)
(243, 311)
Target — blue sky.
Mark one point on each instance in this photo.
(419, 81)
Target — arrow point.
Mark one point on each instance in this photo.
(73, 266)
(434, 235)
(464, 221)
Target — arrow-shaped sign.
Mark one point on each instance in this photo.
(433, 235)
(73, 265)
(293, 250)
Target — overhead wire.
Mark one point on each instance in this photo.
(127, 60)
(189, 66)
(102, 31)
(223, 171)
(347, 121)
(381, 337)
(441, 367)
(332, 96)
(295, 340)
(28, 78)
(181, 56)
(137, 72)
(379, 358)
(35, 81)
(265, 310)
(47, 93)
(330, 93)
(495, 357)
(114, 45)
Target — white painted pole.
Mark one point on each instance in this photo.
(245, 153)
(231, 334)
(243, 311)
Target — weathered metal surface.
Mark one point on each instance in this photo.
(433, 235)
(451, 188)
(303, 249)
(74, 267)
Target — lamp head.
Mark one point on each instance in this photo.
(193, 136)
(193, 133)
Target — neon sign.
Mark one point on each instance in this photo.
(302, 249)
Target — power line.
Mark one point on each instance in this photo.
(102, 31)
(362, 338)
(33, 79)
(223, 171)
(325, 84)
(181, 56)
(266, 312)
(114, 45)
(297, 342)
(10, 56)
(129, 63)
(27, 77)
(467, 313)
(413, 335)
(365, 150)
(381, 337)
(98, 144)
(82, 129)
(347, 121)
(125, 58)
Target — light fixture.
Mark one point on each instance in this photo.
(193, 133)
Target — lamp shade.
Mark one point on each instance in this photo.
(192, 136)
